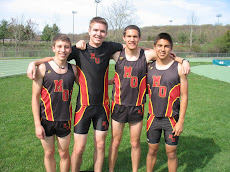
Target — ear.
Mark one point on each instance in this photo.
(123, 38)
(53, 48)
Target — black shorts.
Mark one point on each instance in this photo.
(98, 114)
(130, 114)
(59, 128)
(155, 125)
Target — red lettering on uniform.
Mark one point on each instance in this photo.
(162, 91)
(58, 85)
(92, 55)
(65, 95)
(156, 81)
(97, 60)
(133, 82)
(105, 125)
(172, 138)
(127, 72)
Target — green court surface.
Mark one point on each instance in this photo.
(222, 73)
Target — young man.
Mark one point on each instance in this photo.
(128, 95)
(93, 101)
(168, 98)
(54, 84)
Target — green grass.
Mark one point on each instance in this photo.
(203, 146)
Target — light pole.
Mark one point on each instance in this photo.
(97, 2)
(170, 21)
(218, 16)
(74, 12)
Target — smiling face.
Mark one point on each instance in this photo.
(62, 49)
(131, 38)
(97, 33)
(163, 48)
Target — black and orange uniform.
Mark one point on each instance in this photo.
(129, 89)
(56, 95)
(93, 67)
(164, 103)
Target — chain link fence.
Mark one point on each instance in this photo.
(48, 53)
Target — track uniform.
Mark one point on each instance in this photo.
(55, 106)
(93, 100)
(129, 89)
(164, 103)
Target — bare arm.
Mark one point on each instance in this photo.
(36, 91)
(31, 70)
(178, 129)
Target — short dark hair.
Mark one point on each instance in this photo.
(60, 37)
(165, 36)
(98, 20)
(132, 27)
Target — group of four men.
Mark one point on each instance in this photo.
(165, 80)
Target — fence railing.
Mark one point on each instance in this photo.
(48, 53)
(28, 53)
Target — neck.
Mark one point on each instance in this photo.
(94, 45)
(132, 54)
(60, 64)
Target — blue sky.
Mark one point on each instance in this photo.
(150, 12)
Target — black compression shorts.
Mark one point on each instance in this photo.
(98, 114)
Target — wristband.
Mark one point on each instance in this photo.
(185, 59)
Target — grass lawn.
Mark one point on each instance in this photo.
(203, 146)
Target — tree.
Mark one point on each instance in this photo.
(192, 21)
(4, 32)
(223, 43)
(49, 32)
(182, 37)
(119, 15)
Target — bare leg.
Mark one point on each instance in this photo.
(99, 150)
(78, 149)
(49, 151)
(151, 157)
(172, 157)
(117, 130)
(135, 132)
(63, 149)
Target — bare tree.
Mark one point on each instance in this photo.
(118, 15)
(192, 22)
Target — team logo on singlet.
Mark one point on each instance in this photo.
(92, 56)
(156, 83)
(49, 71)
(59, 88)
(121, 58)
(128, 74)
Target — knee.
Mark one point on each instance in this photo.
(152, 152)
(78, 151)
(49, 154)
(64, 154)
(115, 143)
(135, 144)
(172, 155)
(100, 145)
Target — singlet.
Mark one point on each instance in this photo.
(56, 94)
(130, 80)
(163, 90)
(93, 68)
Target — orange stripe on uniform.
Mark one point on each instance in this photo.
(174, 94)
(112, 107)
(83, 87)
(79, 115)
(46, 99)
(141, 93)
(107, 110)
(117, 93)
(106, 96)
(149, 122)
(150, 101)
(172, 121)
